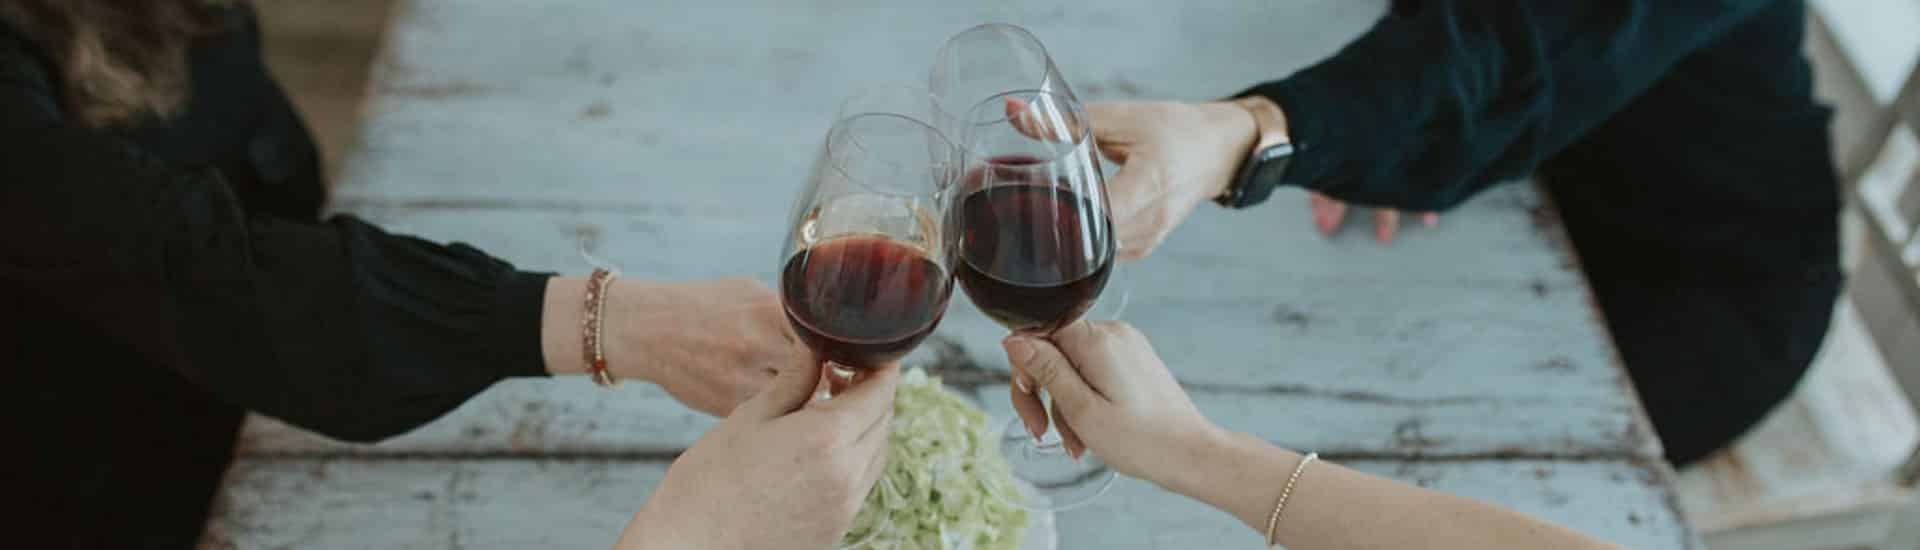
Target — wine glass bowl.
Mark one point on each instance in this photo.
(865, 270)
(986, 60)
(1035, 241)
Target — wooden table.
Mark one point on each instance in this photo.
(671, 139)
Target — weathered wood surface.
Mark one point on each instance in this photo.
(670, 140)
(1416, 348)
(583, 503)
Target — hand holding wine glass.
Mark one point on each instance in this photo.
(1127, 405)
(1036, 250)
(783, 471)
(709, 344)
(1133, 412)
(1173, 157)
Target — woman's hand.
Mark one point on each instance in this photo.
(710, 344)
(781, 472)
(1173, 156)
(1111, 394)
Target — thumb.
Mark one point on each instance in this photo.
(790, 389)
(1132, 192)
(1050, 370)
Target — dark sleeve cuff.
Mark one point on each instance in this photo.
(519, 304)
(1308, 109)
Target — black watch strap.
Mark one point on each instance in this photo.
(1258, 177)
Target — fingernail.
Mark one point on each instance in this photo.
(1023, 382)
(1032, 430)
(1019, 350)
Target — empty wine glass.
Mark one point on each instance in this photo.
(988, 60)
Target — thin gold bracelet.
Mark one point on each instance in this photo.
(1273, 521)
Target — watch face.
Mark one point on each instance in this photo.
(1277, 151)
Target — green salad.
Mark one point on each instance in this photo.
(942, 475)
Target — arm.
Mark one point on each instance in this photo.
(1335, 507)
(783, 471)
(1445, 97)
(1439, 100)
(1126, 406)
(335, 325)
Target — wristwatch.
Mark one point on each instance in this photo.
(1272, 151)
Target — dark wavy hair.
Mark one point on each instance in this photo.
(116, 60)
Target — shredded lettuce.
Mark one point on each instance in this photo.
(942, 475)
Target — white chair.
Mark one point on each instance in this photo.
(1836, 466)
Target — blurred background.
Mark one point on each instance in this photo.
(1833, 468)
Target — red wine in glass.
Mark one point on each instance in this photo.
(1029, 254)
(863, 300)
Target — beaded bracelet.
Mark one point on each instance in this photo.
(590, 324)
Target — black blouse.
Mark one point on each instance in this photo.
(196, 243)
(159, 279)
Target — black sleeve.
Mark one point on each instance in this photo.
(1442, 98)
(332, 325)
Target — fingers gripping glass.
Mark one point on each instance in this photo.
(1035, 252)
(991, 60)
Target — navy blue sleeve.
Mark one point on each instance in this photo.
(1443, 98)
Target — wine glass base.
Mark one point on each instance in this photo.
(1046, 477)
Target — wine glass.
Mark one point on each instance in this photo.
(987, 60)
(1035, 250)
(865, 270)
(864, 274)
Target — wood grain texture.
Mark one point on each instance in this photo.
(482, 504)
(698, 104)
(670, 138)
(1422, 348)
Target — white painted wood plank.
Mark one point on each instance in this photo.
(1488, 294)
(703, 104)
(1474, 339)
(529, 418)
(513, 504)
(1503, 244)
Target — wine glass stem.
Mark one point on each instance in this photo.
(1050, 441)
